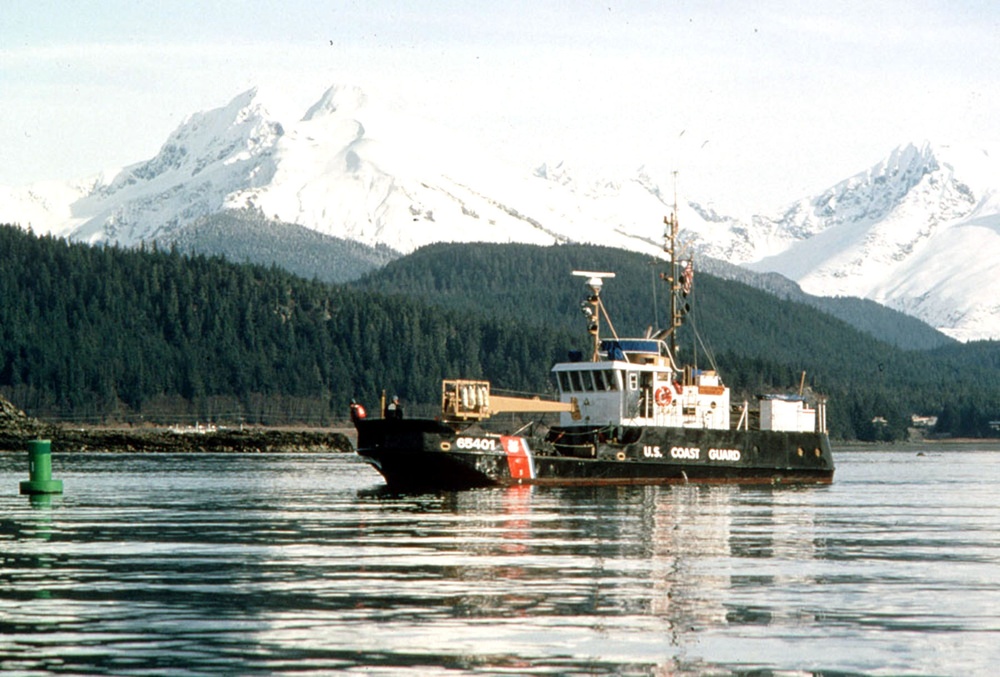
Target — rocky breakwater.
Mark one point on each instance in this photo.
(16, 429)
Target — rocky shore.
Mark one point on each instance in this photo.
(16, 429)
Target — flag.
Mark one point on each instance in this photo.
(687, 278)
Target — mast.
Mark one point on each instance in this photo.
(674, 276)
(593, 308)
(669, 246)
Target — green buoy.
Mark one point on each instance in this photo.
(40, 470)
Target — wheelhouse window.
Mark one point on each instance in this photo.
(586, 380)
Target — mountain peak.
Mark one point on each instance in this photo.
(905, 156)
(338, 98)
(872, 194)
(238, 130)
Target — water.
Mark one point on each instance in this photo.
(153, 564)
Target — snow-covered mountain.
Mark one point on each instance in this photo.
(917, 232)
(347, 168)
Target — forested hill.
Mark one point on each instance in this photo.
(106, 333)
(247, 236)
(458, 275)
(94, 334)
(532, 284)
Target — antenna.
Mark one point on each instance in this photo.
(675, 193)
(673, 279)
(596, 280)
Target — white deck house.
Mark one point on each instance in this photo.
(783, 412)
(635, 383)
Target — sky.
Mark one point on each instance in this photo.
(751, 103)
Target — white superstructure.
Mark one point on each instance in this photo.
(634, 382)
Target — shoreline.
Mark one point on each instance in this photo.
(945, 444)
(248, 439)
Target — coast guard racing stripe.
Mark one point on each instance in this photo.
(519, 460)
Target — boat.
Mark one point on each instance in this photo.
(627, 414)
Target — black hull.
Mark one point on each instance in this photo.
(424, 453)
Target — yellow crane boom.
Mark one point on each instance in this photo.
(466, 400)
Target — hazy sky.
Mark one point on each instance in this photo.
(756, 102)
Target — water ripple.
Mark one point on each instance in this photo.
(153, 564)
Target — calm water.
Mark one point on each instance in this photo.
(155, 564)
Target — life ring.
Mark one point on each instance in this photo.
(662, 396)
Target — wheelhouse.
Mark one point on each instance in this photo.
(635, 382)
